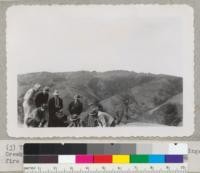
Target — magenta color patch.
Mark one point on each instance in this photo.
(84, 158)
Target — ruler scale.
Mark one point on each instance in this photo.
(123, 158)
(104, 168)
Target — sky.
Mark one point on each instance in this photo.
(95, 38)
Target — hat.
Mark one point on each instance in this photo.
(46, 88)
(90, 104)
(93, 112)
(37, 86)
(56, 93)
(77, 96)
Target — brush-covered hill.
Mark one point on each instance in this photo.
(144, 92)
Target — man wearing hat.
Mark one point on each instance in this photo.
(98, 118)
(93, 119)
(37, 117)
(55, 110)
(42, 97)
(28, 103)
(76, 107)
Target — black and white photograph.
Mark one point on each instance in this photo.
(100, 70)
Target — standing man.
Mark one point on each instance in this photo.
(42, 97)
(28, 103)
(55, 110)
(126, 108)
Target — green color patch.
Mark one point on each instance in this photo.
(139, 159)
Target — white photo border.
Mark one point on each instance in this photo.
(186, 129)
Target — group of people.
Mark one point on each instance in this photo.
(40, 110)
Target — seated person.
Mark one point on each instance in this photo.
(37, 117)
(99, 118)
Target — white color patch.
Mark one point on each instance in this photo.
(178, 148)
(66, 159)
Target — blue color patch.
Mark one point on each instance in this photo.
(156, 158)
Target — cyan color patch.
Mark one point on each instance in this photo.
(156, 158)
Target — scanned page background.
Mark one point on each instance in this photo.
(5, 5)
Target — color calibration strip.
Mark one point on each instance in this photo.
(80, 159)
(104, 153)
(105, 158)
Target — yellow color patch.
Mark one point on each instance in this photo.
(121, 158)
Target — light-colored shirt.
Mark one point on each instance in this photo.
(29, 96)
(105, 118)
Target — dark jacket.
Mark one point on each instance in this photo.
(75, 108)
(41, 99)
(54, 108)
